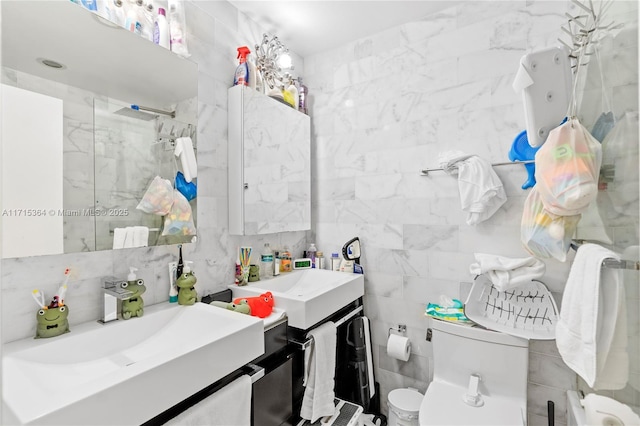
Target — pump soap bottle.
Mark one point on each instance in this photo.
(134, 305)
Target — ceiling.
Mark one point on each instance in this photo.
(307, 27)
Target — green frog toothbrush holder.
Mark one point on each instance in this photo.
(52, 320)
(134, 305)
(187, 294)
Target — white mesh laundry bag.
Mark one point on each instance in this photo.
(567, 169)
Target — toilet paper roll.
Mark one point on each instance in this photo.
(399, 347)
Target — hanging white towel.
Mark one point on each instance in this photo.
(119, 235)
(591, 333)
(128, 237)
(184, 150)
(320, 366)
(506, 273)
(480, 188)
(140, 236)
(231, 405)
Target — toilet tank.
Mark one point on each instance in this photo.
(501, 360)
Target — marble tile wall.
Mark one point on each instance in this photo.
(382, 109)
(215, 30)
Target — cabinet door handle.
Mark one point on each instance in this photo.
(246, 186)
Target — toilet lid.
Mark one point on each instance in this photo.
(443, 405)
(407, 400)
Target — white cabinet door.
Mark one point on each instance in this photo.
(269, 165)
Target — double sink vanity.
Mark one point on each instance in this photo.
(128, 372)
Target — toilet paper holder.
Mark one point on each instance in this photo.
(400, 328)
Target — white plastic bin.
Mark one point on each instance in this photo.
(404, 406)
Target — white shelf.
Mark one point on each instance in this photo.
(99, 56)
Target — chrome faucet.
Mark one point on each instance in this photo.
(112, 292)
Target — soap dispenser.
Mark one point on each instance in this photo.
(134, 305)
(187, 294)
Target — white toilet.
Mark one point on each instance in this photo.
(480, 377)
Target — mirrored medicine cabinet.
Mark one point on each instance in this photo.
(76, 158)
(269, 165)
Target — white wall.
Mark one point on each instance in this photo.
(382, 109)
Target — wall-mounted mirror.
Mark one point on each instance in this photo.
(77, 159)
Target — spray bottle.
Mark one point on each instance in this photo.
(242, 71)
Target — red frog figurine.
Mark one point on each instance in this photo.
(261, 306)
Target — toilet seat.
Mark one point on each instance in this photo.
(443, 405)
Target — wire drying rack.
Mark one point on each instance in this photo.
(527, 311)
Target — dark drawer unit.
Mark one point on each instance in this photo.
(271, 401)
(275, 340)
(272, 394)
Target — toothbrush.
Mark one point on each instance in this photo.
(63, 288)
(245, 256)
(38, 297)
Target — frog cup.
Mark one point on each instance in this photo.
(51, 320)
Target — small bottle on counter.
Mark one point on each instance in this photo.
(311, 254)
(335, 262)
(320, 260)
(285, 255)
(266, 262)
(303, 92)
(277, 263)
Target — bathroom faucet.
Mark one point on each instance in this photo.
(112, 291)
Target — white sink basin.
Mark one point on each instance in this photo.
(307, 295)
(125, 372)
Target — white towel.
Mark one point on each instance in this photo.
(320, 366)
(184, 150)
(128, 237)
(140, 236)
(506, 273)
(591, 333)
(230, 406)
(480, 188)
(119, 235)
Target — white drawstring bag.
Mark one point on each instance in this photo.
(567, 169)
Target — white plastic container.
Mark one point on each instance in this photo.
(335, 262)
(161, 29)
(404, 407)
(132, 24)
(177, 28)
(146, 16)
